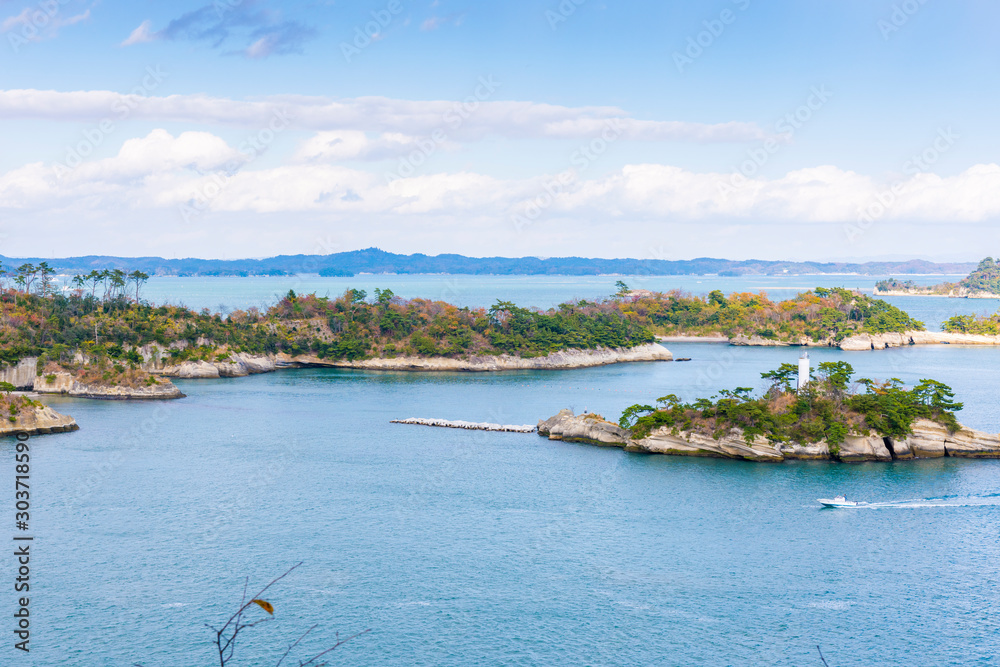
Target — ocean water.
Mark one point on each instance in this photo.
(474, 548)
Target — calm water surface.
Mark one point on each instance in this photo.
(468, 548)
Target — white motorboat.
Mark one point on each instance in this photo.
(839, 501)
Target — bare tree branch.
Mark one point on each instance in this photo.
(312, 660)
(225, 637)
(301, 637)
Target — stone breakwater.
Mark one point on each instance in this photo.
(470, 426)
(38, 421)
(237, 365)
(857, 342)
(927, 440)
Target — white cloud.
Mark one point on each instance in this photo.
(141, 35)
(41, 22)
(471, 119)
(160, 171)
(343, 145)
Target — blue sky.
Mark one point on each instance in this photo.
(738, 128)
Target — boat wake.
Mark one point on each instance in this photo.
(986, 500)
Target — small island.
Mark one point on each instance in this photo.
(827, 419)
(23, 414)
(823, 317)
(982, 283)
(102, 340)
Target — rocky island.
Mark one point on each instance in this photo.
(22, 414)
(982, 283)
(823, 317)
(101, 340)
(825, 420)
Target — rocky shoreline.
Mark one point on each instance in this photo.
(39, 421)
(857, 342)
(239, 364)
(24, 377)
(952, 294)
(928, 440)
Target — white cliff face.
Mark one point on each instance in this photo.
(813, 451)
(22, 375)
(730, 446)
(864, 448)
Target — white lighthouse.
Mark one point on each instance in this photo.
(804, 371)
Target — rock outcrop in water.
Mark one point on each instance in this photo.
(25, 376)
(927, 440)
(69, 385)
(38, 420)
(590, 428)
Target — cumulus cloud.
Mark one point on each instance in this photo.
(343, 145)
(234, 27)
(162, 171)
(470, 119)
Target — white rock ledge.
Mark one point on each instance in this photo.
(244, 364)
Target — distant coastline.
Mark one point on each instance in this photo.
(378, 262)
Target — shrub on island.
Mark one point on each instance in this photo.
(827, 409)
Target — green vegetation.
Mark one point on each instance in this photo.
(984, 280)
(819, 314)
(988, 325)
(910, 287)
(825, 409)
(97, 330)
(106, 321)
(893, 285)
(11, 405)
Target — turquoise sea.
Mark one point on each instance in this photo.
(474, 548)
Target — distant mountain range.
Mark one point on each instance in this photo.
(373, 260)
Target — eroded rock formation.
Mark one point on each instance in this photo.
(928, 439)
